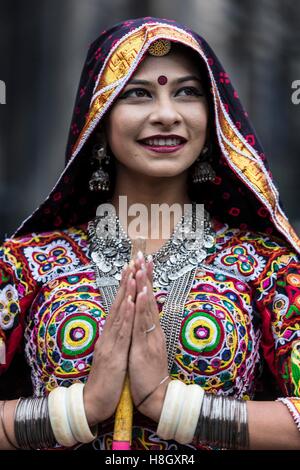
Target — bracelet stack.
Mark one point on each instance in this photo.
(190, 415)
(59, 418)
(222, 423)
(180, 412)
(32, 424)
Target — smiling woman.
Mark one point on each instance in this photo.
(150, 112)
(171, 337)
(157, 131)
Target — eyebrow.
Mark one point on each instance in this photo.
(137, 81)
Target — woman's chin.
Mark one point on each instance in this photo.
(162, 172)
(161, 167)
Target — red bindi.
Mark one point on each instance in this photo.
(162, 80)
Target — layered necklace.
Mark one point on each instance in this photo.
(174, 264)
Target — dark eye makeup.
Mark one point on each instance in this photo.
(142, 92)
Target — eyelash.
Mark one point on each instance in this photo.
(127, 93)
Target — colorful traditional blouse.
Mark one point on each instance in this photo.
(243, 308)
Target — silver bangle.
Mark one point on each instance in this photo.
(222, 423)
(32, 424)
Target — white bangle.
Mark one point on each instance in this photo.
(76, 415)
(59, 418)
(171, 410)
(189, 414)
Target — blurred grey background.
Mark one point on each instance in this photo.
(43, 44)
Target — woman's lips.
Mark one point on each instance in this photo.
(163, 148)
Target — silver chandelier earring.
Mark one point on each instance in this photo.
(100, 178)
(202, 171)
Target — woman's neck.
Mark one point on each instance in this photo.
(148, 190)
(150, 208)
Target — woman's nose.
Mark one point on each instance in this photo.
(165, 112)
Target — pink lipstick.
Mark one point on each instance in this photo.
(163, 148)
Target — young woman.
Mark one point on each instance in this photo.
(207, 331)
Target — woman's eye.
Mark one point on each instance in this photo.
(142, 93)
(190, 91)
(135, 93)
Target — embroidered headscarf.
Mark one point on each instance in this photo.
(243, 193)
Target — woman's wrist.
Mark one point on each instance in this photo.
(7, 424)
(44, 422)
(152, 408)
(90, 409)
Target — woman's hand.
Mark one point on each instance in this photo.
(148, 363)
(105, 382)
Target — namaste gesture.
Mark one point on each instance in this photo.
(132, 341)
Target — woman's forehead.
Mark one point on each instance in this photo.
(176, 64)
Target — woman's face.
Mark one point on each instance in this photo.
(159, 129)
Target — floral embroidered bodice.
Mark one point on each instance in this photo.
(243, 304)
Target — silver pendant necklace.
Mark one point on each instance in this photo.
(178, 255)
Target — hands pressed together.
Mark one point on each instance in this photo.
(125, 347)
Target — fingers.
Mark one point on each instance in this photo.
(121, 330)
(118, 314)
(135, 278)
(143, 317)
(141, 281)
(147, 312)
(129, 285)
(129, 290)
(140, 261)
(149, 269)
(123, 336)
(121, 292)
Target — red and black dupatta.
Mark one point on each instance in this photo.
(243, 193)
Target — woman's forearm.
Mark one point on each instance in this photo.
(271, 426)
(7, 421)
(270, 423)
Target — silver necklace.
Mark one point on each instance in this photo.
(178, 255)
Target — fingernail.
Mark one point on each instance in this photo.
(145, 290)
(131, 264)
(130, 277)
(129, 298)
(140, 255)
(143, 267)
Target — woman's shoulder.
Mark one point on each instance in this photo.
(245, 246)
(40, 255)
(252, 255)
(77, 234)
(227, 236)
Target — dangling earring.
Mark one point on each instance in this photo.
(203, 172)
(100, 179)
